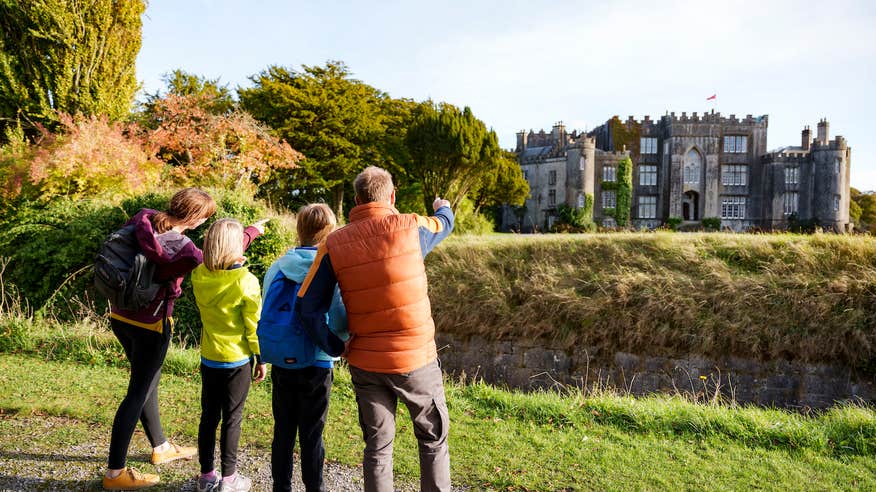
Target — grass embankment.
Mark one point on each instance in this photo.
(499, 439)
(808, 298)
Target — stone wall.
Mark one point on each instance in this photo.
(531, 364)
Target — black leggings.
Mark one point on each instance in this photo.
(300, 400)
(223, 393)
(146, 350)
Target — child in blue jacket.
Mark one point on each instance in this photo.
(301, 384)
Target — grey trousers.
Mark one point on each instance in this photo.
(422, 391)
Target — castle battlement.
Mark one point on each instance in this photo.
(786, 157)
(696, 118)
(838, 143)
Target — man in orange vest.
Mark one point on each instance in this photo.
(377, 259)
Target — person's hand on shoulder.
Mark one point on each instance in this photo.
(440, 202)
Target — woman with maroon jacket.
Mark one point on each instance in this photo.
(145, 334)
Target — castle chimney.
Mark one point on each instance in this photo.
(823, 131)
(558, 133)
(806, 138)
(521, 140)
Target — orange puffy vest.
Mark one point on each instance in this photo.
(379, 266)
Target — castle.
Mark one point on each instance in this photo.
(685, 167)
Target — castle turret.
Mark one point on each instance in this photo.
(805, 138)
(823, 131)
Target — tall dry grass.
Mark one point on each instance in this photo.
(810, 298)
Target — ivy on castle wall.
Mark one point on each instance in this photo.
(625, 135)
(624, 191)
(587, 210)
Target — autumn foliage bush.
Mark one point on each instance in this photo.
(204, 148)
(90, 157)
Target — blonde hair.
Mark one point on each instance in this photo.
(223, 244)
(187, 205)
(373, 184)
(314, 222)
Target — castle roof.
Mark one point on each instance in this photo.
(535, 152)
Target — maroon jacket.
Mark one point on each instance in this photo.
(175, 255)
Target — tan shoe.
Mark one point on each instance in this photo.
(130, 479)
(172, 453)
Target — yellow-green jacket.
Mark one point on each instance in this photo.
(230, 302)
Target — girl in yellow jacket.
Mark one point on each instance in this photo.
(229, 298)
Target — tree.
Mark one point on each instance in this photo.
(866, 203)
(207, 149)
(502, 185)
(451, 151)
(215, 98)
(334, 120)
(58, 56)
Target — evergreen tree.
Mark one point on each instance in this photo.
(70, 57)
(451, 151)
(502, 185)
(334, 120)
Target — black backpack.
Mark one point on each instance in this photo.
(122, 274)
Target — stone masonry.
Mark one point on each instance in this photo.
(529, 364)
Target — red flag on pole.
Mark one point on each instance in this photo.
(712, 97)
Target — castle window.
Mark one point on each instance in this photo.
(552, 177)
(581, 201)
(526, 175)
(733, 207)
(734, 175)
(791, 199)
(552, 198)
(609, 199)
(647, 207)
(836, 167)
(648, 145)
(836, 203)
(609, 173)
(792, 175)
(647, 175)
(692, 165)
(735, 144)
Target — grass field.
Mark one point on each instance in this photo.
(499, 439)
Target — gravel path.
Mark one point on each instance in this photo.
(69, 455)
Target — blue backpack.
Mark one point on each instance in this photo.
(282, 339)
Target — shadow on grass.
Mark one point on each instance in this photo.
(50, 457)
(28, 484)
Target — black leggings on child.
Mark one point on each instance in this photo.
(223, 393)
(146, 350)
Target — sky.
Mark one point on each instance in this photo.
(527, 65)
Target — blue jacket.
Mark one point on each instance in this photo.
(295, 264)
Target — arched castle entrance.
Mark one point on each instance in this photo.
(690, 205)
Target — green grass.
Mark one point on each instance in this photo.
(499, 439)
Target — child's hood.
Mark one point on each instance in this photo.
(217, 287)
(296, 263)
